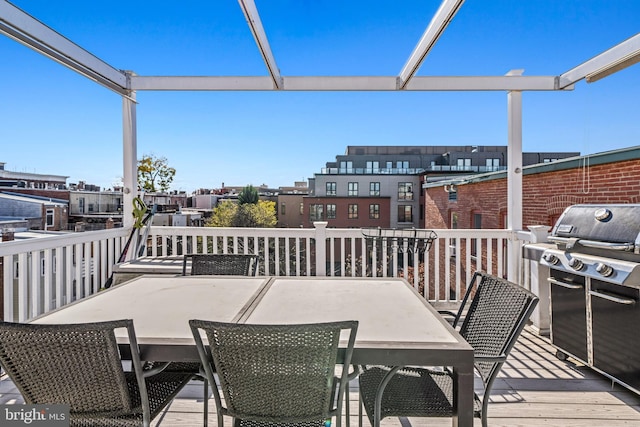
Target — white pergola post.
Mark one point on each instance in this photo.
(130, 156)
(514, 177)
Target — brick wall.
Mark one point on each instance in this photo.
(545, 195)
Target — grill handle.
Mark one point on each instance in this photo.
(612, 297)
(607, 245)
(568, 242)
(564, 284)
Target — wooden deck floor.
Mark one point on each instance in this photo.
(534, 389)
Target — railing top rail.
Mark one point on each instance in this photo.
(60, 240)
(234, 231)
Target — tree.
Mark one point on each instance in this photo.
(261, 214)
(154, 174)
(223, 215)
(248, 195)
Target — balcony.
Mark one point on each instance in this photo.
(534, 388)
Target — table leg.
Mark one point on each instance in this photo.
(463, 394)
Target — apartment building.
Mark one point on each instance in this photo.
(372, 186)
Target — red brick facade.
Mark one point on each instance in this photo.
(342, 219)
(545, 195)
(547, 191)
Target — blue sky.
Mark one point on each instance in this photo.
(55, 121)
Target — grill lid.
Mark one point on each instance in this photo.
(613, 226)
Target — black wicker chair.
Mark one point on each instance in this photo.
(221, 264)
(455, 317)
(280, 375)
(79, 365)
(497, 314)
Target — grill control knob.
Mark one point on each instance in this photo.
(604, 269)
(576, 264)
(550, 258)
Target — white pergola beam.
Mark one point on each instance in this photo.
(436, 27)
(255, 24)
(32, 33)
(344, 83)
(608, 62)
(483, 83)
(204, 83)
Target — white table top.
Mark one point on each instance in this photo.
(387, 310)
(161, 306)
(391, 315)
(152, 265)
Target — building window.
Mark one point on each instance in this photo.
(373, 167)
(476, 221)
(405, 213)
(453, 221)
(464, 164)
(301, 208)
(493, 165)
(283, 209)
(353, 211)
(331, 188)
(374, 188)
(49, 217)
(374, 211)
(346, 167)
(352, 189)
(315, 212)
(331, 211)
(405, 191)
(389, 166)
(402, 165)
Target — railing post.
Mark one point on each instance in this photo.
(541, 317)
(321, 247)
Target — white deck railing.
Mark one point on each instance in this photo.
(43, 274)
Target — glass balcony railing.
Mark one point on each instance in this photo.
(411, 171)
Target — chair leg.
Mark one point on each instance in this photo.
(206, 402)
(346, 404)
(359, 410)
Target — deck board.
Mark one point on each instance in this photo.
(533, 389)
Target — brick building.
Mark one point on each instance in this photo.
(547, 189)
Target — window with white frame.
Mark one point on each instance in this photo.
(405, 191)
(353, 211)
(374, 188)
(331, 188)
(331, 211)
(352, 189)
(374, 211)
(50, 215)
(316, 212)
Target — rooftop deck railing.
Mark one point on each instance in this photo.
(40, 275)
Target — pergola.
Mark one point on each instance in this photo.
(27, 30)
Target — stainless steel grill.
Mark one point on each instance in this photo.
(595, 288)
(598, 241)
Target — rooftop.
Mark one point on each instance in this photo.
(533, 389)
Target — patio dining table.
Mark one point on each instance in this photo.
(396, 325)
